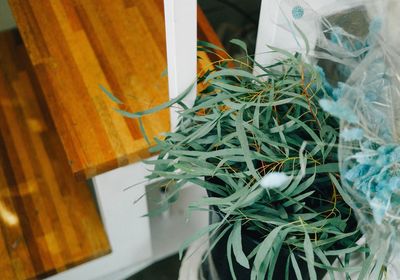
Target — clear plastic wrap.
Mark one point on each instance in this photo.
(370, 142)
(356, 47)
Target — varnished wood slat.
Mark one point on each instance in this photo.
(75, 45)
(48, 220)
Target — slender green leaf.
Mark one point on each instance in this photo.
(110, 95)
(296, 267)
(239, 43)
(237, 245)
(143, 131)
(158, 108)
(245, 144)
(229, 87)
(229, 256)
(308, 249)
(197, 235)
(231, 72)
(264, 250)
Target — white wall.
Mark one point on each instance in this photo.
(6, 19)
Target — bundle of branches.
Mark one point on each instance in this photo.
(270, 154)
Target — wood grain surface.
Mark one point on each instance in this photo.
(48, 220)
(77, 45)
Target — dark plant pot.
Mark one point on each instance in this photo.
(216, 267)
(217, 262)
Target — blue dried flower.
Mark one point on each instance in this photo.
(374, 168)
(378, 210)
(298, 12)
(394, 184)
(337, 92)
(338, 110)
(357, 172)
(375, 175)
(325, 84)
(352, 134)
(395, 155)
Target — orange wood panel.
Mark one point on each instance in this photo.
(48, 220)
(77, 45)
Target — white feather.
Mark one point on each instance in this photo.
(274, 180)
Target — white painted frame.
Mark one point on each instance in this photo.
(181, 36)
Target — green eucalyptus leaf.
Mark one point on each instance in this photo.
(308, 249)
(231, 72)
(229, 255)
(325, 261)
(201, 232)
(245, 145)
(110, 95)
(239, 43)
(215, 241)
(237, 245)
(264, 250)
(158, 108)
(296, 267)
(236, 89)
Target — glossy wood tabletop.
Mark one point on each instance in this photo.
(77, 45)
(48, 220)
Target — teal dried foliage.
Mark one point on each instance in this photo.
(377, 177)
(340, 110)
(370, 152)
(352, 134)
(371, 124)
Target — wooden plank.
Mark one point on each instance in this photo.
(77, 45)
(48, 220)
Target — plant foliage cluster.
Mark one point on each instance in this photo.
(245, 124)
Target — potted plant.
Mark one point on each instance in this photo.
(267, 154)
